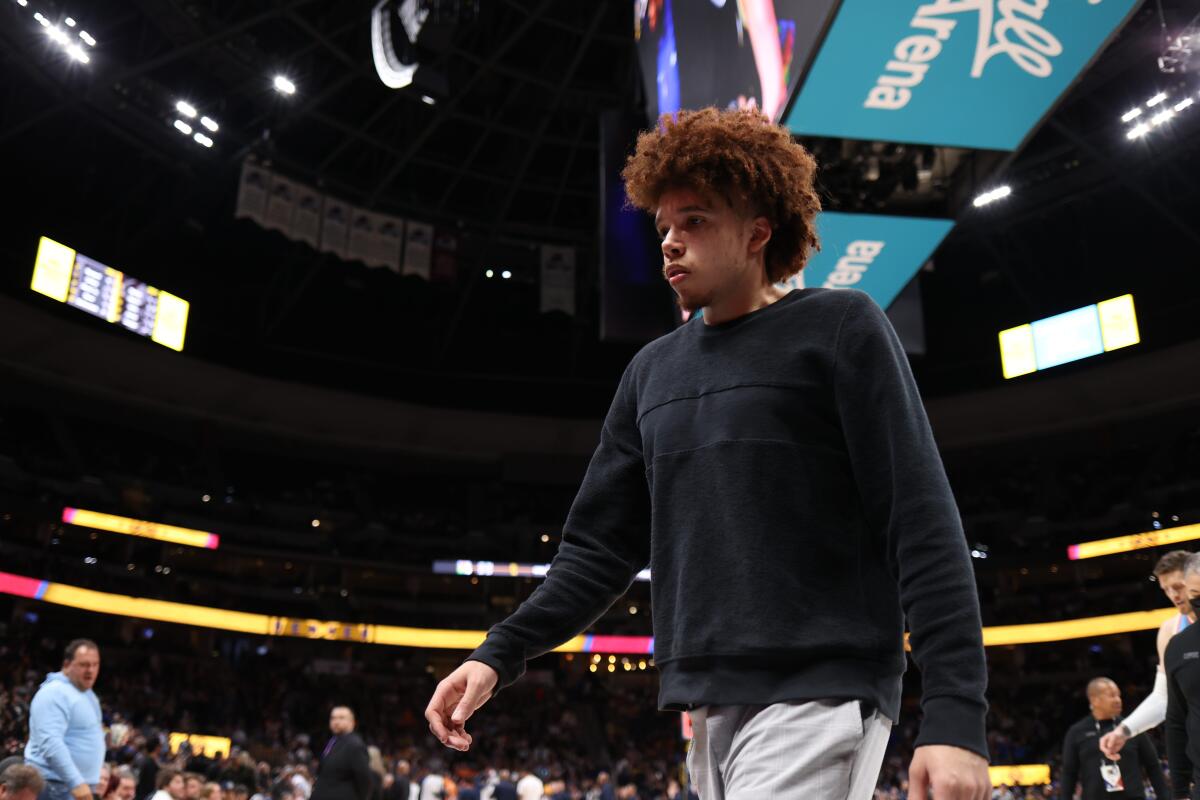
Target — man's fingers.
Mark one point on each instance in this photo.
(467, 705)
(436, 711)
(917, 784)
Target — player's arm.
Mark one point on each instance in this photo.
(911, 510)
(605, 542)
(1152, 710)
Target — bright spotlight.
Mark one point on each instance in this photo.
(69, 22)
(427, 100)
(187, 109)
(1182, 104)
(1137, 131)
(202, 139)
(1161, 117)
(1158, 98)
(76, 52)
(1131, 114)
(284, 86)
(992, 195)
(183, 127)
(506, 274)
(209, 123)
(87, 38)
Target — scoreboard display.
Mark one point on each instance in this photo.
(61, 273)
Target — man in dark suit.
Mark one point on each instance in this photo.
(343, 773)
(1084, 763)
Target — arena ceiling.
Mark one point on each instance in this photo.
(498, 139)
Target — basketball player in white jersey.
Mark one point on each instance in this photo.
(1153, 710)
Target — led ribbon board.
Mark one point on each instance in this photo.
(265, 625)
(874, 253)
(1070, 336)
(69, 277)
(136, 527)
(962, 73)
(1020, 775)
(209, 746)
(1138, 541)
(502, 569)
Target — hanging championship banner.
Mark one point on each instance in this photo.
(306, 218)
(418, 250)
(445, 256)
(362, 235)
(558, 278)
(335, 227)
(252, 192)
(281, 203)
(385, 245)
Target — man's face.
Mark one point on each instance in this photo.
(126, 789)
(192, 788)
(1191, 585)
(1174, 588)
(176, 788)
(707, 246)
(1107, 701)
(83, 669)
(341, 721)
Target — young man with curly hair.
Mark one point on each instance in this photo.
(773, 463)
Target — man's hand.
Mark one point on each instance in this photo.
(82, 792)
(455, 700)
(1112, 742)
(950, 773)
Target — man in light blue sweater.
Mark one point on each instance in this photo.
(66, 733)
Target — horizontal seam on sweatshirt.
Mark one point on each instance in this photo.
(755, 384)
(784, 442)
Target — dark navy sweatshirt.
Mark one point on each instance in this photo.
(778, 474)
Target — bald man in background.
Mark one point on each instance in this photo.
(1101, 777)
(344, 772)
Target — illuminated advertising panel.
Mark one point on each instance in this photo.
(962, 73)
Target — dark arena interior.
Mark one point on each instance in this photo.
(311, 315)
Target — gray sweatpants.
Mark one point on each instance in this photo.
(817, 750)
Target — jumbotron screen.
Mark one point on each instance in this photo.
(67, 276)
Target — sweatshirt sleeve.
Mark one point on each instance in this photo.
(605, 542)
(1178, 763)
(1148, 755)
(49, 717)
(1070, 767)
(910, 507)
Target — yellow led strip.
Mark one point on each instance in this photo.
(265, 625)
(136, 527)
(1138, 541)
(450, 639)
(1076, 628)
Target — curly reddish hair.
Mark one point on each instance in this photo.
(740, 156)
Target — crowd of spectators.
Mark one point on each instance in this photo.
(566, 733)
